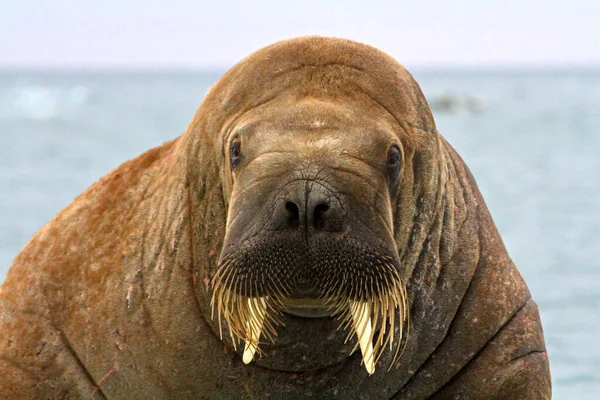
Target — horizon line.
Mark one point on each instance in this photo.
(440, 67)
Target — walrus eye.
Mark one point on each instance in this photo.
(235, 153)
(393, 166)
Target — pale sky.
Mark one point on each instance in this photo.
(154, 34)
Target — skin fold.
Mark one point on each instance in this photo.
(112, 298)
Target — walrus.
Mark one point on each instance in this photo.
(309, 235)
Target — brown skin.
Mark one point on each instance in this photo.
(111, 299)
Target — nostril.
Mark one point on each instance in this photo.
(319, 216)
(293, 214)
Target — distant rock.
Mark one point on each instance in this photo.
(453, 103)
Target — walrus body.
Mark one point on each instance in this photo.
(310, 190)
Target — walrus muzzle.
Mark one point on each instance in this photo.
(309, 252)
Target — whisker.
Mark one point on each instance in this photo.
(249, 302)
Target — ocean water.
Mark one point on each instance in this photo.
(532, 140)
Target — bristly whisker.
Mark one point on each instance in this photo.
(368, 308)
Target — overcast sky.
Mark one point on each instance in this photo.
(197, 33)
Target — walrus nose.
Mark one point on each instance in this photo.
(310, 206)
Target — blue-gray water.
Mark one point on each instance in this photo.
(534, 148)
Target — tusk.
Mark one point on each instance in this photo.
(257, 308)
(361, 317)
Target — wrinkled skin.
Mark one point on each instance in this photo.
(111, 299)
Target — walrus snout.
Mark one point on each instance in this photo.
(308, 205)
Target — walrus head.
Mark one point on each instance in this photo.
(309, 227)
(314, 140)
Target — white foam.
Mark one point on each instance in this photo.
(42, 102)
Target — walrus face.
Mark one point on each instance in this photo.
(310, 186)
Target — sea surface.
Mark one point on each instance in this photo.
(531, 138)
